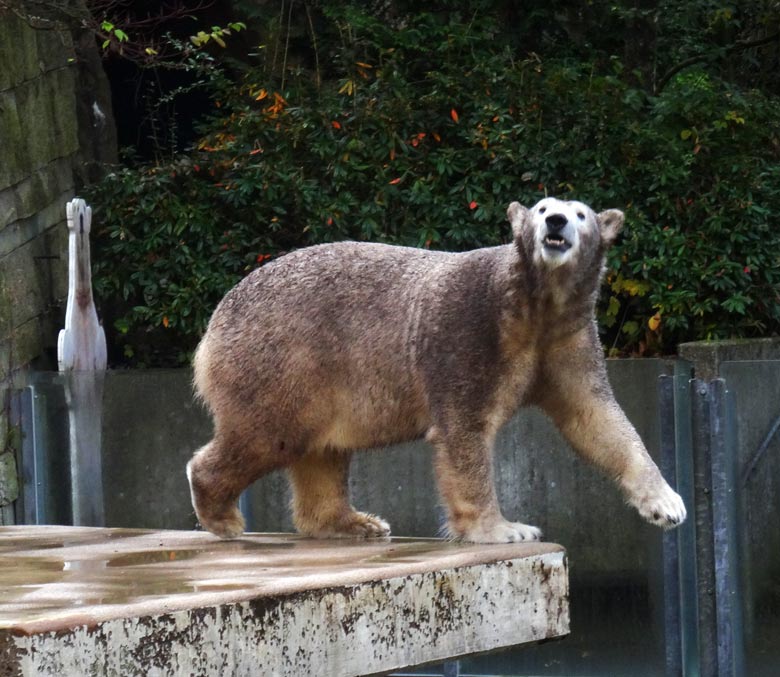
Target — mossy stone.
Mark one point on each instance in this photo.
(9, 479)
(14, 166)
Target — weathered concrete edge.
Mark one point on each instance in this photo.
(707, 356)
(352, 630)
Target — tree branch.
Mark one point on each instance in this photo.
(65, 16)
(736, 47)
(45, 14)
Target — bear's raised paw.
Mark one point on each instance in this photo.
(664, 508)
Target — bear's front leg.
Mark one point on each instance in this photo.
(464, 470)
(577, 396)
(600, 432)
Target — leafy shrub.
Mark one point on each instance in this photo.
(421, 135)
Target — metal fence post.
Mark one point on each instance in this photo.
(715, 483)
(671, 550)
(728, 613)
(705, 555)
(451, 669)
(681, 632)
(25, 415)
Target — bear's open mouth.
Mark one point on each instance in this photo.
(556, 242)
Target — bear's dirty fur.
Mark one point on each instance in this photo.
(345, 346)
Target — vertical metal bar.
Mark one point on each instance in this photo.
(705, 556)
(686, 533)
(724, 482)
(735, 531)
(21, 407)
(671, 552)
(245, 506)
(451, 669)
(25, 415)
(40, 451)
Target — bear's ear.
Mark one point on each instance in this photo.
(518, 216)
(610, 225)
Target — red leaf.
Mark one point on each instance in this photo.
(454, 115)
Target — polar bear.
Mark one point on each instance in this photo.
(345, 346)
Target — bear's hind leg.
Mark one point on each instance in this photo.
(464, 469)
(320, 500)
(218, 473)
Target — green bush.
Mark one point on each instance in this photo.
(421, 136)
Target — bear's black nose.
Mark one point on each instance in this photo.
(555, 222)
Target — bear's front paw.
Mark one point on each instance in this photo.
(503, 532)
(664, 507)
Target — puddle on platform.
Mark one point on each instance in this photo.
(407, 554)
(217, 587)
(13, 539)
(42, 576)
(99, 573)
(250, 544)
(153, 557)
(23, 564)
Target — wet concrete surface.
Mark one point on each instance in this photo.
(64, 580)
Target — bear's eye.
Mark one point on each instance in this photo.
(542, 210)
(580, 216)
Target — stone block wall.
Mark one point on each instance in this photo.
(39, 140)
(54, 113)
(56, 125)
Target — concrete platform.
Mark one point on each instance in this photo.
(84, 601)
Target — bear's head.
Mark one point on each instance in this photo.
(562, 233)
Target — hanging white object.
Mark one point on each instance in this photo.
(81, 354)
(82, 344)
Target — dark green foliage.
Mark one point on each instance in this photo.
(421, 134)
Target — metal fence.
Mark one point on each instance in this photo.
(700, 600)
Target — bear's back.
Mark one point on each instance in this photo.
(327, 337)
(337, 289)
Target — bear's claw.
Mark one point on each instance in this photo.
(665, 508)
